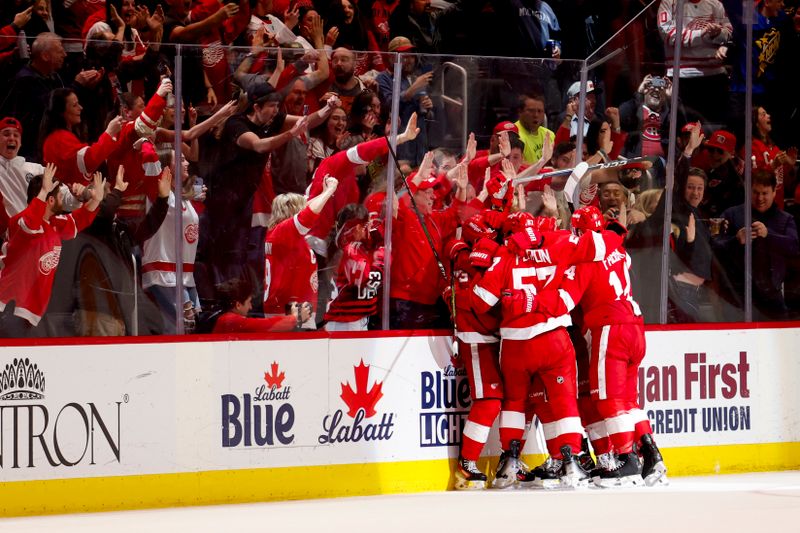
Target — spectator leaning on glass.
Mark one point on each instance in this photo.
(33, 249)
(774, 235)
(690, 265)
(290, 271)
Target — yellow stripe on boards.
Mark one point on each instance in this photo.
(21, 498)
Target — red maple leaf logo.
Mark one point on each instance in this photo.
(361, 398)
(274, 379)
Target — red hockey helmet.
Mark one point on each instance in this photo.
(517, 222)
(587, 218)
(476, 228)
(543, 224)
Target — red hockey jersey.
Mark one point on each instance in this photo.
(358, 282)
(74, 159)
(31, 255)
(142, 167)
(341, 166)
(602, 290)
(538, 270)
(472, 327)
(415, 274)
(290, 267)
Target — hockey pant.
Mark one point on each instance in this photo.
(617, 351)
(481, 362)
(551, 356)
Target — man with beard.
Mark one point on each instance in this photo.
(33, 250)
(413, 95)
(345, 83)
(645, 118)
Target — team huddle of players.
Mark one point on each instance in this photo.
(551, 296)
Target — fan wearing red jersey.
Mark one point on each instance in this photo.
(63, 148)
(535, 342)
(31, 255)
(617, 343)
(290, 267)
(360, 272)
(137, 154)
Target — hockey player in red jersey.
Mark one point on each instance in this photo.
(290, 268)
(536, 343)
(617, 344)
(478, 341)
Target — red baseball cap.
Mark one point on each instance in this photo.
(11, 122)
(724, 140)
(506, 126)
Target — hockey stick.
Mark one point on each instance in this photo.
(428, 237)
(442, 271)
(617, 164)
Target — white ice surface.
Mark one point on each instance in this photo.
(759, 502)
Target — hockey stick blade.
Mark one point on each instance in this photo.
(574, 179)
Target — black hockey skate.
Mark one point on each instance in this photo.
(468, 476)
(628, 473)
(544, 476)
(508, 467)
(654, 471)
(572, 475)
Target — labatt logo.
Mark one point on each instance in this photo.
(361, 404)
(253, 419)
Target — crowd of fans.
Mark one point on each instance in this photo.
(285, 109)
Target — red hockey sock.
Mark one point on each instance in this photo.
(641, 424)
(598, 436)
(476, 429)
(512, 427)
(619, 424)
